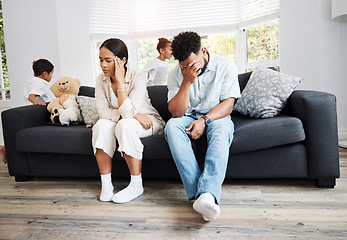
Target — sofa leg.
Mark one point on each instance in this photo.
(21, 178)
(326, 182)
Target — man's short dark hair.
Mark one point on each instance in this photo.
(185, 44)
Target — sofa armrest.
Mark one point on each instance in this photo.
(317, 111)
(13, 121)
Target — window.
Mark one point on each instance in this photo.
(235, 29)
(262, 42)
(221, 44)
(95, 52)
(262, 45)
(146, 50)
(4, 86)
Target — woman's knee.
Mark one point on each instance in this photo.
(127, 125)
(104, 124)
(103, 127)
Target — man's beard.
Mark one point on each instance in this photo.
(203, 69)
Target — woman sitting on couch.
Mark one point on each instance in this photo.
(126, 114)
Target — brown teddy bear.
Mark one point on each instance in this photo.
(64, 108)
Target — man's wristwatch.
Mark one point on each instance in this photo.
(207, 120)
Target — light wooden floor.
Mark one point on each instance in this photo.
(46, 208)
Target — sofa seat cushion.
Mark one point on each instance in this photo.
(254, 134)
(78, 140)
(75, 139)
(156, 147)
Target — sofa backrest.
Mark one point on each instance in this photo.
(243, 79)
(158, 95)
(87, 91)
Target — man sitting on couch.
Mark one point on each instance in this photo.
(202, 91)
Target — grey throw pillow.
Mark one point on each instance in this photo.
(88, 110)
(266, 93)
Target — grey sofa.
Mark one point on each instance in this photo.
(299, 143)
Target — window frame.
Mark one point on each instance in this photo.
(240, 42)
(241, 52)
(4, 102)
(241, 49)
(3, 89)
(99, 38)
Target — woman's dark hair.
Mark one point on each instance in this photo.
(117, 47)
(42, 65)
(185, 44)
(162, 43)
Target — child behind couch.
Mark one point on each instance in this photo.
(36, 90)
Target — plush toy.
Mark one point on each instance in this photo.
(70, 112)
(64, 108)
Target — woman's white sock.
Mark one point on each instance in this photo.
(206, 206)
(106, 188)
(133, 190)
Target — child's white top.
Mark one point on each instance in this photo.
(38, 87)
(158, 71)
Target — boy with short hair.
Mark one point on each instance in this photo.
(36, 90)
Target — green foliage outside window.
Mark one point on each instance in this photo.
(147, 49)
(262, 45)
(262, 42)
(3, 60)
(221, 44)
(3, 53)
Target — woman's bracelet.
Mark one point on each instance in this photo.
(121, 90)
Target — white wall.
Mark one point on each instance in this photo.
(54, 29)
(342, 101)
(314, 47)
(74, 40)
(30, 33)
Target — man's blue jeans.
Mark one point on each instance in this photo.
(219, 137)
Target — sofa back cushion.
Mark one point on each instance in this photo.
(87, 91)
(158, 96)
(243, 79)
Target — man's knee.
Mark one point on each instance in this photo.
(224, 125)
(171, 125)
(175, 128)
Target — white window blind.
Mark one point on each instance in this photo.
(109, 17)
(152, 18)
(251, 9)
